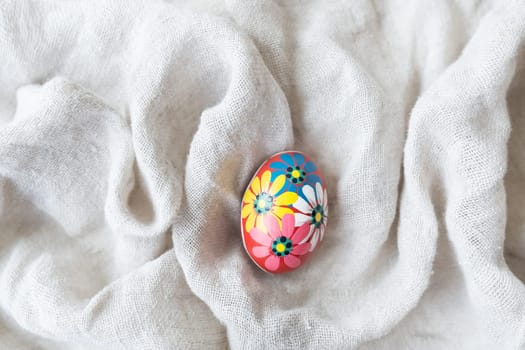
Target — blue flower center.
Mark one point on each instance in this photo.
(295, 174)
(263, 203)
(282, 246)
(317, 215)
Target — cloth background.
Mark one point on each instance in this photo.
(129, 130)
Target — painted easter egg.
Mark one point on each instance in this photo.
(284, 212)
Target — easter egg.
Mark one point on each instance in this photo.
(284, 212)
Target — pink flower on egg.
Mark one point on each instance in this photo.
(280, 245)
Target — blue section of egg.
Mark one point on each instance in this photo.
(285, 160)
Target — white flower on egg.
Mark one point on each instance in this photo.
(313, 210)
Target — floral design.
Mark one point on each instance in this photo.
(314, 211)
(265, 198)
(280, 245)
(284, 212)
(297, 170)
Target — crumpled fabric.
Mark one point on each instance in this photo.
(130, 129)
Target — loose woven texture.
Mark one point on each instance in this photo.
(129, 130)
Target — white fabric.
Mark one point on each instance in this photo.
(129, 130)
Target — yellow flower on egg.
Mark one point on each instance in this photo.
(263, 198)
